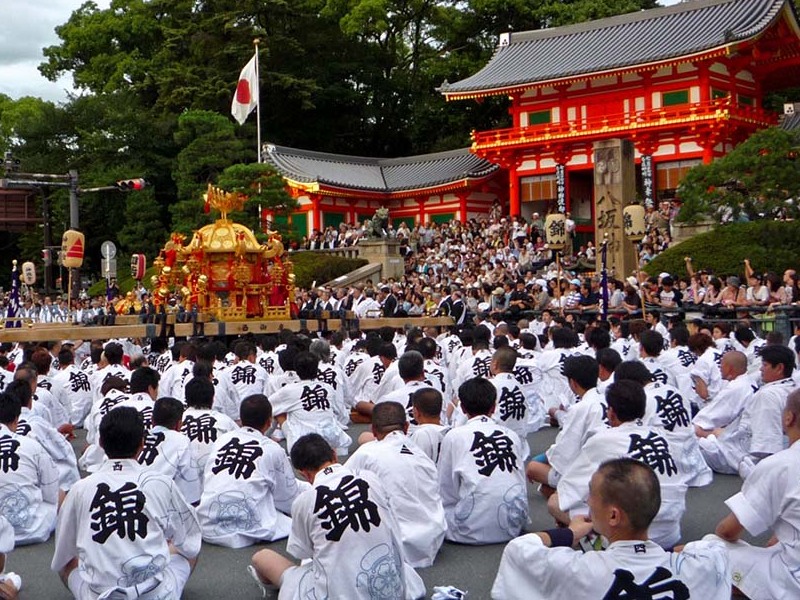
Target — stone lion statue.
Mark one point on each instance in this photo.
(377, 227)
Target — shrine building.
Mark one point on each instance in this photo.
(684, 83)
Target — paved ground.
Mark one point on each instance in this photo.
(221, 571)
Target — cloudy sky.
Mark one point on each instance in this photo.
(26, 27)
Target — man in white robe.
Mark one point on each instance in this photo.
(201, 424)
(481, 473)
(113, 355)
(226, 397)
(167, 451)
(758, 432)
(524, 371)
(172, 382)
(44, 403)
(29, 491)
(248, 483)
(247, 377)
(768, 501)
(627, 437)
(368, 375)
(582, 421)
(10, 583)
(679, 359)
(477, 362)
(651, 344)
(345, 532)
(308, 406)
(512, 406)
(729, 403)
(427, 410)
(71, 387)
(332, 375)
(624, 499)
(411, 368)
(411, 480)
(125, 531)
(35, 427)
(553, 388)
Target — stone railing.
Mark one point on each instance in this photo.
(346, 251)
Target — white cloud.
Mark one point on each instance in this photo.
(26, 28)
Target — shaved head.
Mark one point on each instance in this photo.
(735, 360)
(793, 403)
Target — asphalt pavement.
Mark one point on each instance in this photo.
(221, 573)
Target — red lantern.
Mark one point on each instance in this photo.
(138, 266)
(72, 245)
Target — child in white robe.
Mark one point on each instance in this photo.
(481, 473)
(768, 501)
(28, 480)
(167, 451)
(248, 483)
(247, 377)
(411, 480)
(309, 406)
(125, 532)
(624, 498)
(348, 548)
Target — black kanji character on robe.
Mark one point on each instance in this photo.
(238, 459)
(561, 361)
(524, 375)
(3, 381)
(163, 363)
(245, 374)
(147, 416)
(314, 398)
(671, 410)
(45, 385)
(686, 358)
(659, 376)
(605, 414)
(438, 374)
(452, 344)
(348, 506)
(659, 586)
(110, 402)
(268, 363)
(495, 451)
(352, 366)
(328, 376)
(78, 382)
(23, 427)
(120, 512)
(200, 429)
(9, 458)
(511, 404)
(377, 373)
(652, 451)
(718, 357)
(149, 451)
(480, 366)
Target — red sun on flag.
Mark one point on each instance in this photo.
(243, 92)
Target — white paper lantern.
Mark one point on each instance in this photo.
(633, 222)
(555, 230)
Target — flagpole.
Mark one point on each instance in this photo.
(258, 104)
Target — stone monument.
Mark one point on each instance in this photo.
(614, 189)
(378, 247)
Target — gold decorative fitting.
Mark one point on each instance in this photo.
(223, 201)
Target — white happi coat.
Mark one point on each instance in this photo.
(202, 427)
(390, 381)
(248, 490)
(173, 382)
(6, 537)
(707, 369)
(276, 383)
(412, 482)
(168, 452)
(72, 387)
(248, 379)
(55, 411)
(529, 570)
(728, 405)
(680, 361)
(581, 422)
(366, 378)
(524, 371)
(28, 487)
(482, 481)
(226, 396)
(659, 371)
(428, 438)
(403, 394)
(645, 444)
(673, 414)
(354, 545)
(269, 362)
(769, 500)
(107, 402)
(473, 365)
(118, 523)
(553, 387)
(627, 349)
(349, 367)
(511, 408)
(56, 445)
(438, 378)
(334, 377)
(162, 362)
(309, 406)
(99, 377)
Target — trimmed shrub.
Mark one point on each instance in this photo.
(321, 267)
(770, 246)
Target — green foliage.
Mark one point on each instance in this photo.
(320, 267)
(770, 246)
(755, 179)
(263, 187)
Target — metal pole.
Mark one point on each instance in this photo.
(258, 104)
(47, 238)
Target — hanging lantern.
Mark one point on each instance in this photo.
(72, 245)
(28, 273)
(633, 222)
(138, 266)
(555, 229)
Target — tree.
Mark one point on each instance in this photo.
(143, 231)
(759, 178)
(264, 189)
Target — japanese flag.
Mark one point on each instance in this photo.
(246, 97)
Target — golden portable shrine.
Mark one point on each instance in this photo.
(224, 271)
